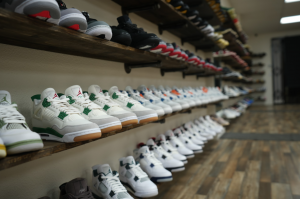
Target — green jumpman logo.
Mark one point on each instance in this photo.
(4, 99)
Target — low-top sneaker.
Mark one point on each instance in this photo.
(135, 180)
(106, 183)
(55, 119)
(151, 165)
(144, 114)
(177, 144)
(15, 135)
(167, 146)
(110, 107)
(134, 94)
(91, 111)
(187, 142)
(168, 161)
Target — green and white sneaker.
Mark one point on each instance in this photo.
(15, 133)
(144, 114)
(55, 119)
(110, 107)
(91, 111)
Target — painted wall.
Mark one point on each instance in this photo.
(25, 72)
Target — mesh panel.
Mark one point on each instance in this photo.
(15, 126)
(128, 174)
(144, 179)
(122, 195)
(48, 114)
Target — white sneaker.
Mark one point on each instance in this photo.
(135, 180)
(208, 119)
(187, 142)
(167, 146)
(193, 137)
(55, 119)
(189, 126)
(144, 114)
(110, 107)
(153, 99)
(151, 165)
(106, 184)
(202, 131)
(173, 97)
(15, 135)
(165, 99)
(204, 128)
(168, 161)
(185, 96)
(91, 111)
(134, 94)
(215, 128)
(177, 144)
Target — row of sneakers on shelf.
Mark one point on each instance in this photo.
(235, 91)
(236, 110)
(227, 53)
(237, 76)
(151, 163)
(78, 116)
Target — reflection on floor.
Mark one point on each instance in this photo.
(244, 169)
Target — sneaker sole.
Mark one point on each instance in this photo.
(177, 169)
(24, 146)
(147, 118)
(74, 21)
(147, 44)
(143, 194)
(2, 151)
(161, 179)
(100, 30)
(112, 126)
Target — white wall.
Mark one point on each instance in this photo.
(25, 72)
(262, 43)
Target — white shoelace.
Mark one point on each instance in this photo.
(63, 106)
(138, 171)
(9, 114)
(105, 99)
(115, 183)
(169, 146)
(86, 102)
(152, 158)
(123, 96)
(137, 96)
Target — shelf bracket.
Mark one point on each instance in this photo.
(160, 121)
(194, 38)
(128, 67)
(176, 25)
(126, 11)
(168, 70)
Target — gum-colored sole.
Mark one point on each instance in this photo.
(87, 137)
(112, 128)
(151, 119)
(2, 151)
(129, 122)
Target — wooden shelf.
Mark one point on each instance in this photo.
(230, 61)
(169, 19)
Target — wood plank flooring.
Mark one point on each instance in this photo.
(243, 169)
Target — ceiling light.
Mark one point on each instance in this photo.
(291, 19)
(290, 1)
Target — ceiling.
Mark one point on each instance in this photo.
(262, 16)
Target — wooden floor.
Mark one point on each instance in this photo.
(236, 169)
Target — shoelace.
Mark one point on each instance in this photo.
(63, 106)
(152, 158)
(125, 98)
(114, 182)
(105, 98)
(169, 146)
(162, 151)
(9, 114)
(86, 102)
(138, 171)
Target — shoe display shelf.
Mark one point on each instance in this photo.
(229, 24)
(169, 19)
(20, 30)
(230, 61)
(51, 147)
(235, 44)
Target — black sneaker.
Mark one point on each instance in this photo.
(140, 38)
(177, 4)
(192, 14)
(75, 189)
(120, 36)
(197, 20)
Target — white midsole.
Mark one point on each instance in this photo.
(20, 8)
(177, 170)
(98, 27)
(148, 193)
(73, 15)
(69, 137)
(128, 118)
(147, 116)
(104, 126)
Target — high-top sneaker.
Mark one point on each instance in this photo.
(167, 146)
(106, 184)
(153, 99)
(220, 127)
(71, 18)
(144, 114)
(151, 165)
(75, 189)
(55, 119)
(46, 10)
(97, 28)
(140, 38)
(184, 96)
(187, 142)
(134, 94)
(15, 134)
(173, 97)
(192, 137)
(189, 126)
(204, 128)
(135, 180)
(110, 107)
(217, 129)
(177, 144)
(165, 99)
(91, 111)
(168, 161)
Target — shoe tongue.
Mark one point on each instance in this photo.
(95, 89)
(113, 90)
(105, 168)
(77, 187)
(145, 149)
(169, 133)
(124, 20)
(162, 137)
(150, 142)
(143, 88)
(5, 98)
(129, 88)
(49, 92)
(74, 91)
(130, 160)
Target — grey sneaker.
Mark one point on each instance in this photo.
(75, 189)
(71, 18)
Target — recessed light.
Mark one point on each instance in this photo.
(290, 1)
(291, 19)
